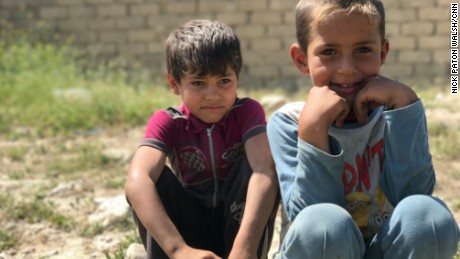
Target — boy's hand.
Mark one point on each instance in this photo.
(322, 108)
(193, 253)
(378, 91)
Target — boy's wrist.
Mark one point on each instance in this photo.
(315, 135)
(311, 122)
(174, 247)
(243, 248)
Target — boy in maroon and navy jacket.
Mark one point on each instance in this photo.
(218, 148)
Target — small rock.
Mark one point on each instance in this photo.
(135, 251)
(65, 189)
(122, 155)
(110, 210)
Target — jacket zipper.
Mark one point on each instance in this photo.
(213, 165)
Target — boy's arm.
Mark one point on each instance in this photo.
(145, 170)
(408, 168)
(322, 109)
(379, 91)
(260, 200)
(307, 175)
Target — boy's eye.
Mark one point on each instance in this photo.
(364, 50)
(198, 83)
(328, 52)
(225, 81)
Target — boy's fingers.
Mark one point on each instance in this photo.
(364, 102)
(367, 99)
(340, 120)
(361, 109)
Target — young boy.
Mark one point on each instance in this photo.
(218, 148)
(353, 161)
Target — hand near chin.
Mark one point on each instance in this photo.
(378, 91)
(322, 108)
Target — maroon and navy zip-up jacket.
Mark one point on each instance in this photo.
(202, 154)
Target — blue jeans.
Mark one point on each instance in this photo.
(420, 227)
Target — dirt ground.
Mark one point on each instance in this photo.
(37, 173)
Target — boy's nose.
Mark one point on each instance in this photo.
(213, 93)
(347, 66)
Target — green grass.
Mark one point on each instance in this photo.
(85, 156)
(15, 153)
(51, 89)
(38, 210)
(444, 141)
(6, 240)
(34, 211)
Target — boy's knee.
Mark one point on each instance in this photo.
(420, 204)
(320, 217)
(422, 212)
(323, 230)
(426, 224)
(326, 221)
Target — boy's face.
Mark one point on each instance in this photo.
(343, 51)
(207, 97)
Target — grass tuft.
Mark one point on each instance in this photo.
(7, 240)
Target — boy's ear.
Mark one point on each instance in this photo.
(384, 51)
(299, 58)
(172, 83)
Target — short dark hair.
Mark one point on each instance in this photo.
(310, 11)
(202, 47)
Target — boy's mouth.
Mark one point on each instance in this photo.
(346, 88)
(213, 107)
